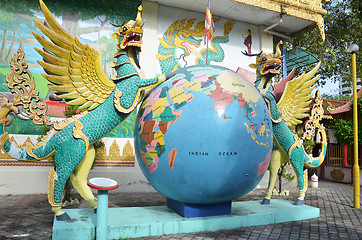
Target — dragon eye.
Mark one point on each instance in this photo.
(264, 59)
(124, 29)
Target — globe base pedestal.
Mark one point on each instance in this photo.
(140, 222)
(189, 210)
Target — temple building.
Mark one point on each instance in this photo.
(173, 38)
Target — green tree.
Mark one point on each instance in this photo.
(16, 17)
(114, 10)
(343, 26)
(336, 97)
(343, 129)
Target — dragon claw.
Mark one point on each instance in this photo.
(265, 201)
(63, 217)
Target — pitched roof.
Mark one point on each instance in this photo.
(347, 106)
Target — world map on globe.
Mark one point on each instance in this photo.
(204, 136)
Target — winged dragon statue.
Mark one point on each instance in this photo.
(75, 73)
(288, 111)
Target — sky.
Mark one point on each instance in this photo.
(329, 88)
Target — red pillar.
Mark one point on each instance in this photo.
(326, 159)
(345, 152)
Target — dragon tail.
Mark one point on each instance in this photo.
(25, 101)
(311, 125)
(312, 162)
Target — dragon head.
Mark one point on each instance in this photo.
(267, 65)
(129, 34)
(181, 35)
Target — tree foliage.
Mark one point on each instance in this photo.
(343, 27)
(117, 10)
(17, 24)
(343, 129)
(336, 97)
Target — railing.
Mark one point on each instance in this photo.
(335, 155)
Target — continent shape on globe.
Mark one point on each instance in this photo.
(204, 136)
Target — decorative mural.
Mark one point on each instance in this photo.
(248, 38)
(114, 152)
(92, 28)
(182, 35)
(181, 41)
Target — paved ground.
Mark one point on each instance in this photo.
(30, 217)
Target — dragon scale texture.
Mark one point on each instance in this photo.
(76, 75)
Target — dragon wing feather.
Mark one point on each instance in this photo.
(293, 104)
(74, 69)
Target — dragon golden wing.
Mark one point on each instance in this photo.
(294, 103)
(74, 69)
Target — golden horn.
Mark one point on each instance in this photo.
(278, 53)
(139, 18)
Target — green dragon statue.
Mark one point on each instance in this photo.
(292, 106)
(75, 71)
(181, 35)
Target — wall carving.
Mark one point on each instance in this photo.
(337, 174)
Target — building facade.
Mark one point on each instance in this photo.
(173, 38)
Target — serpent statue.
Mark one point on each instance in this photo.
(181, 35)
(75, 72)
(292, 106)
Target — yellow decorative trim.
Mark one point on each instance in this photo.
(3, 139)
(297, 143)
(78, 133)
(280, 118)
(164, 57)
(21, 82)
(51, 180)
(138, 97)
(66, 122)
(315, 117)
(27, 163)
(116, 79)
(305, 185)
(128, 153)
(29, 150)
(5, 108)
(117, 100)
(306, 9)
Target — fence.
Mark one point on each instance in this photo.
(335, 155)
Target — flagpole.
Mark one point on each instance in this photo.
(209, 30)
(207, 51)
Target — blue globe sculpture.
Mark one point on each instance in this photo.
(204, 136)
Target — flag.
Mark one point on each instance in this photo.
(209, 24)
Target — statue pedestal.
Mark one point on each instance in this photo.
(138, 222)
(189, 210)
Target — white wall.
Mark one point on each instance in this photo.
(347, 171)
(28, 180)
(150, 42)
(34, 179)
